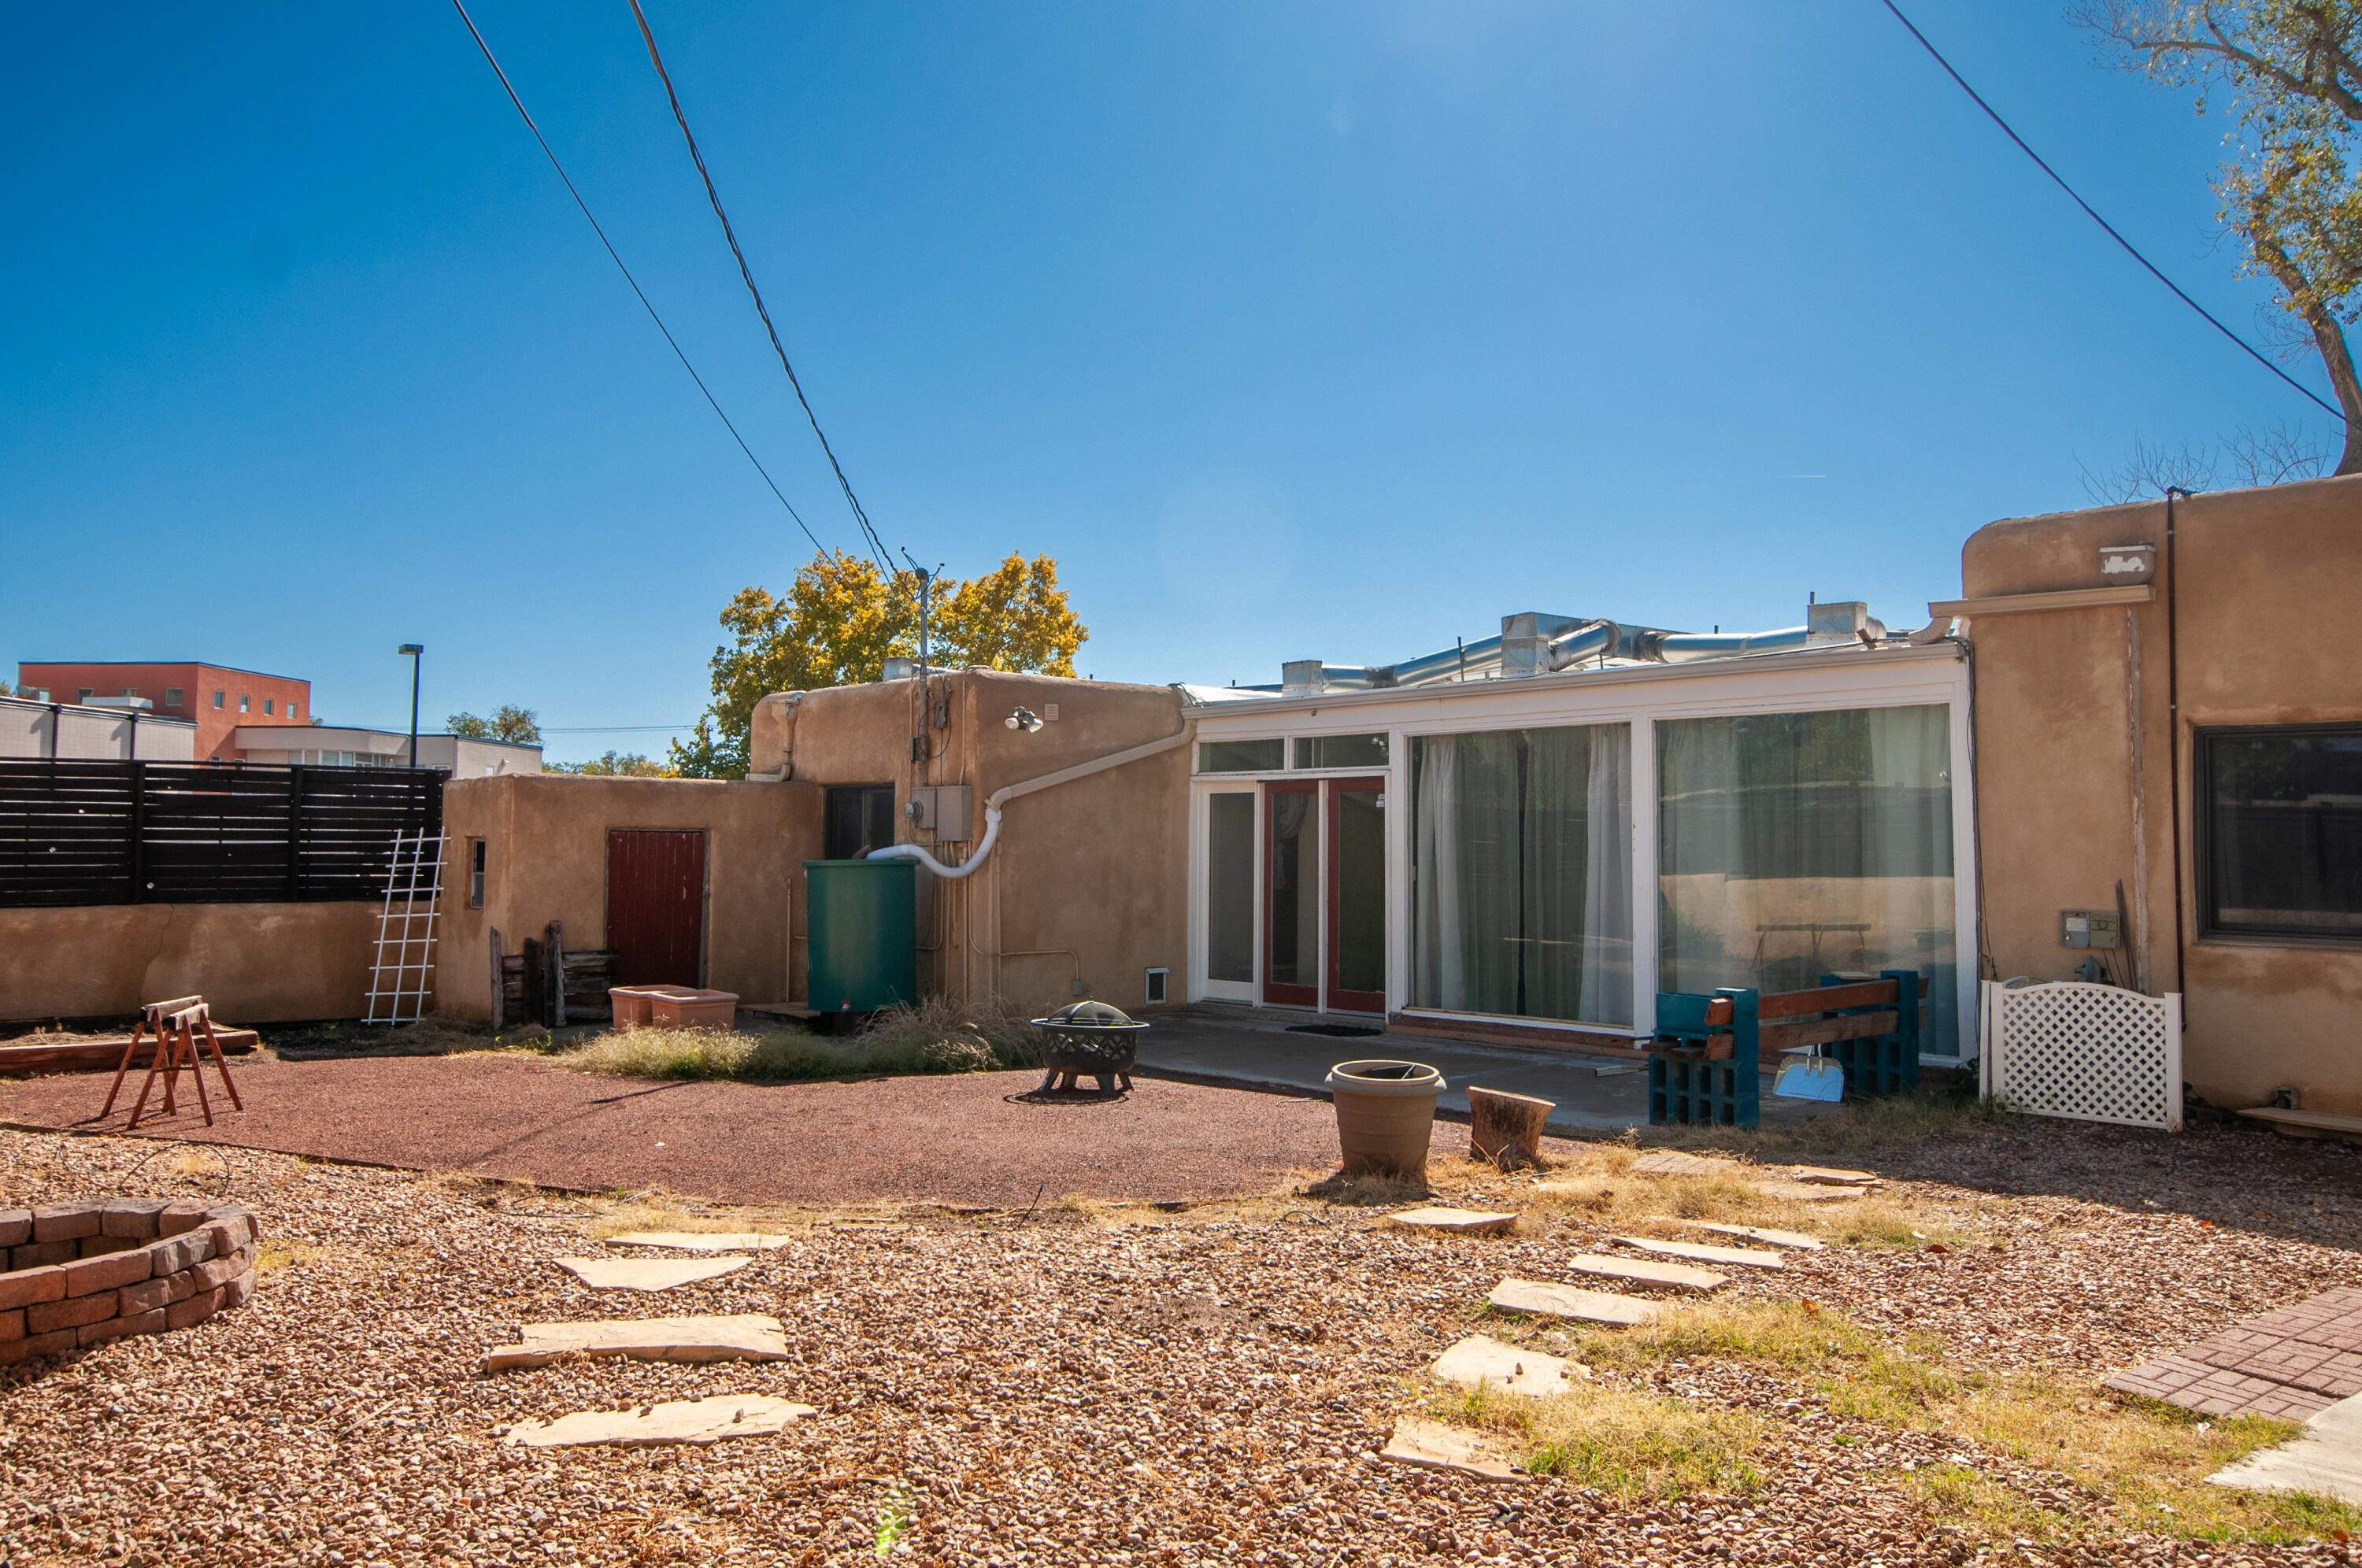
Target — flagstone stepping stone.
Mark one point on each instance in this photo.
(1467, 1221)
(1699, 1251)
(1648, 1271)
(1795, 1239)
(746, 1337)
(1824, 1175)
(1431, 1445)
(677, 1421)
(702, 1240)
(1673, 1161)
(1548, 1300)
(647, 1274)
(1808, 1192)
(1480, 1359)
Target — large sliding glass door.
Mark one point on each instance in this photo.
(1291, 932)
(1357, 894)
(1521, 868)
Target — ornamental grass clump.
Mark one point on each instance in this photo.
(935, 1037)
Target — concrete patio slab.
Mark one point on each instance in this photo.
(1215, 1043)
(1480, 1359)
(1546, 1300)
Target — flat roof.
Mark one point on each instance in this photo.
(24, 664)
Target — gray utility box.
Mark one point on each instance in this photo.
(2090, 928)
(943, 810)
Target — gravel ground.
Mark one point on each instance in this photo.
(956, 1139)
(1074, 1386)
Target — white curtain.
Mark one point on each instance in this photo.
(1438, 979)
(1607, 880)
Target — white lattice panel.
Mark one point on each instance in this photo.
(2091, 1052)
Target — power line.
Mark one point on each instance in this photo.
(615, 729)
(745, 273)
(2253, 352)
(627, 273)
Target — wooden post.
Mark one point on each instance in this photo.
(1507, 1129)
(557, 961)
(499, 981)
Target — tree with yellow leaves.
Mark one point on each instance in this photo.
(842, 619)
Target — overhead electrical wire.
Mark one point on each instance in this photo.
(644, 304)
(877, 544)
(2253, 352)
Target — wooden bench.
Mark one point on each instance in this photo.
(1708, 1050)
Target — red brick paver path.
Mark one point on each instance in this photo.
(954, 1138)
(2289, 1363)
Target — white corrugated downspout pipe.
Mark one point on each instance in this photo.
(1001, 796)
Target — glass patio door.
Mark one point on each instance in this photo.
(1325, 895)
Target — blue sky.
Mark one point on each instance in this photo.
(1291, 330)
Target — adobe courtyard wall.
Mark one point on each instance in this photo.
(2076, 758)
(253, 962)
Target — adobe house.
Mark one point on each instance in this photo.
(2170, 698)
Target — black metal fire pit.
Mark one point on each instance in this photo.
(1089, 1040)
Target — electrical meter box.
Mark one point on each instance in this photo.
(2090, 928)
(942, 809)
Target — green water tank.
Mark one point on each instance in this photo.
(861, 933)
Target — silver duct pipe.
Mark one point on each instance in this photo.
(1688, 647)
(1601, 639)
(1476, 660)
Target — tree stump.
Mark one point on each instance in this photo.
(1507, 1129)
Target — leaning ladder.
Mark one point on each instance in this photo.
(399, 979)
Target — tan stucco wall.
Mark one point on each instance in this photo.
(546, 837)
(1088, 880)
(253, 962)
(2269, 580)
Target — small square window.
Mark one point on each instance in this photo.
(172, 695)
(131, 691)
(218, 701)
(2278, 815)
(242, 702)
(84, 693)
(269, 707)
(292, 712)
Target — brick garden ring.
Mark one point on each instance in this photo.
(83, 1273)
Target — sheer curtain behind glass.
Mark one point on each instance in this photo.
(1521, 868)
(1792, 845)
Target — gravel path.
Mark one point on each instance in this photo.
(1193, 1388)
(956, 1139)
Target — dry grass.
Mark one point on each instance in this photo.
(1618, 1440)
(936, 1037)
(2150, 1460)
(1598, 1187)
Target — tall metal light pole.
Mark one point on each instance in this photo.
(414, 650)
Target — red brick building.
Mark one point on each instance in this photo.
(219, 699)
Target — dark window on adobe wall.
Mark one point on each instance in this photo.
(2279, 832)
(857, 817)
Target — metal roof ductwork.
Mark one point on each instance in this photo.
(1534, 643)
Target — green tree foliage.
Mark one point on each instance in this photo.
(615, 764)
(842, 619)
(508, 723)
(2291, 190)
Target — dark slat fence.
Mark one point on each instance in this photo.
(153, 832)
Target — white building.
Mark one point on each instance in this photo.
(1536, 834)
(107, 728)
(338, 746)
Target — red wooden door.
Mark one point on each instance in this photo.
(656, 907)
(1357, 895)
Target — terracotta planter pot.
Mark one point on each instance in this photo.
(1385, 1112)
(683, 1006)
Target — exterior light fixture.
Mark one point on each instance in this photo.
(1022, 719)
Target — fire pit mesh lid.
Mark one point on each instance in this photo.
(1087, 1015)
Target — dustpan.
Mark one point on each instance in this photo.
(1810, 1078)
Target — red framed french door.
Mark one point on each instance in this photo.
(1357, 895)
(1292, 901)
